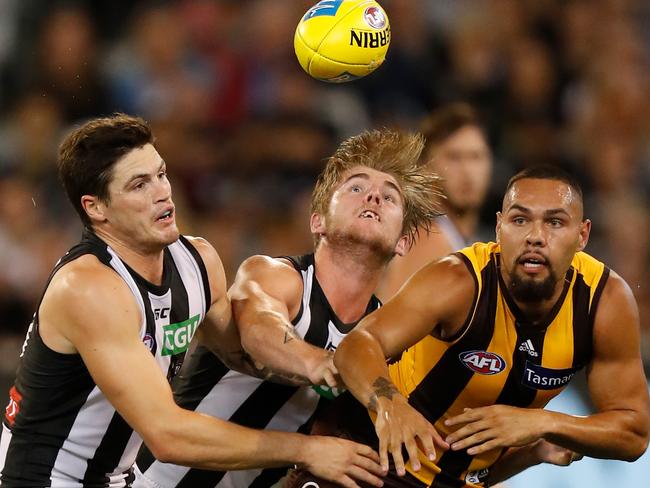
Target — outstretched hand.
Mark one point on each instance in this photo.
(497, 426)
(398, 424)
(342, 461)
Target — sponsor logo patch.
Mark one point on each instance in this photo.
(177, 337)
(528, 347)
(477, 476)
(483, 362)
(540, 378)
(149, 341)
(324, 7)
(374, 17)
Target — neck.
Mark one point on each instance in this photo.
(465, 220)
(148, 263)
(348, 278)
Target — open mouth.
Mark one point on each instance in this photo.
(166, 215)
(532, 261)
(369, 214)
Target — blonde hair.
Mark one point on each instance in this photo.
(390, 152)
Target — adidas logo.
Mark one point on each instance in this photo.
(528, 347)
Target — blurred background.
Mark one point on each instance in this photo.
(244, 131)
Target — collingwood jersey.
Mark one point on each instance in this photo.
(498, 357)
(206, 385)
(59, 429)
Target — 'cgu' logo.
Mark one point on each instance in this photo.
(483, 362)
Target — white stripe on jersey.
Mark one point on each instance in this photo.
(4, 446)
(82, 442)
(118, 265)
(295, 412)
(304, 322)
(189, 271)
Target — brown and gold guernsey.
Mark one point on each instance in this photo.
(498, 357)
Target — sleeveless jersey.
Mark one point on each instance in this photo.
(59, 429)
(498, 357)
(206, 385)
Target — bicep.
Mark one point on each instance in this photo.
(615, 376)
(440, 294)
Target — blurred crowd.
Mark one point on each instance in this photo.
(244, 131)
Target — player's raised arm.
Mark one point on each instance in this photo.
(267, 292)
(436, 300)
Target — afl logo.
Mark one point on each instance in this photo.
(375, 17)
(483, 362)
(149, 341)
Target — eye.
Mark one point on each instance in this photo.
(355, 189)
(162, 175)
(389, 198)
(519, 220)
(139, 185)
(556, 223)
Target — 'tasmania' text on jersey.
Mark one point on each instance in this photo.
(206, 385)
(59, 429)
(498, 357)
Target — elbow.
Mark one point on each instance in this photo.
(637, 448)
(164, 449)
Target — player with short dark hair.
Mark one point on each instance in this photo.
(112, 327)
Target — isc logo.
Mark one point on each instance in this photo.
(483, 362)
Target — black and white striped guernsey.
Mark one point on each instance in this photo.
(206, 385)
(59, 429)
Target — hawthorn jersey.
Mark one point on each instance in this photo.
(206, 385)
(59, 429)
(498, 357)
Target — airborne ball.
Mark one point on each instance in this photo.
(342, 40)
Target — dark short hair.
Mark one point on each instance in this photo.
(447, 120)
(547, 172)
(87, 155)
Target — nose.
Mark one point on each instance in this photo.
(373, 195)
(536, 235)
(163, 190)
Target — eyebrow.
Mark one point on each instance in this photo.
(547, 213)
(144, 175)
(365, 176)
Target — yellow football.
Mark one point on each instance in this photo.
(342, 40)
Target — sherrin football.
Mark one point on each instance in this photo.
(342, 40)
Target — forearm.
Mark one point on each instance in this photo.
(362, 366)
(277, 350)
(514, 461)
(204, 442)
(607, 435)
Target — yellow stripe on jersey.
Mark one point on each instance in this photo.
(499, 357)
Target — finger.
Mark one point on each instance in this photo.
(472, 440)
(383, 452)
(487, 446)
(468, 415)
(329, 378)
(412, 449)
(369, 453)
(438, 440)
(346, 481)
(427, 446)
(396, 452)
(362, 475)
(466, 431)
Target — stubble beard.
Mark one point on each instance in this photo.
(528, 290)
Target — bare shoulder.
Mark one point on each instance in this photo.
(449, 274)
(207, 251)
(617, 306)
(82, 289)
(274, 276)
(213, 265)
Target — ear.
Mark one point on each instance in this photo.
(498, 227)
(583, 238)
(94, 207)
(317, 224)
(401, 248)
